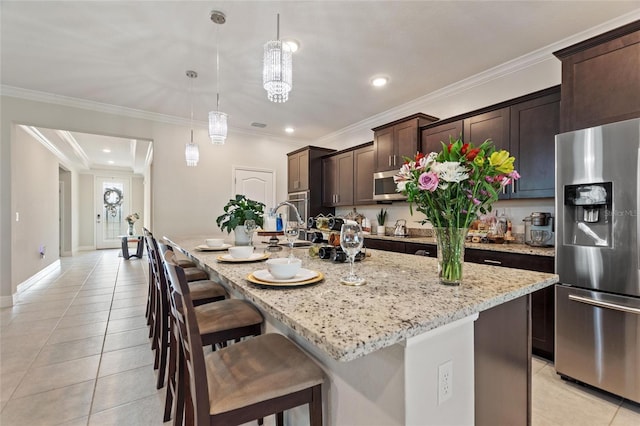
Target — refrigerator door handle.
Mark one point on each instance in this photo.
(602, 304)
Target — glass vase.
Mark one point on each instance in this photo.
(450, 254)
(130, 231)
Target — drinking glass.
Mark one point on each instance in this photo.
(351, 240)
(249, 227)
(291, 233)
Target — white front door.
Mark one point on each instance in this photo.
(255, 184)
(113, 198)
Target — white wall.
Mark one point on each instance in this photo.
(184, 201)
(35, 198)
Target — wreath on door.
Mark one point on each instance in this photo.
(112, 200)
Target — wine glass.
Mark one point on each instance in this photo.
(249, 227)
(351, 240)
(291, 233)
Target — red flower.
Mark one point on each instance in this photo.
(419, 156)
(449, 147)
(472, 154)
(464, 148)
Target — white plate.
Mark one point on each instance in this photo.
(203, 247)
(253, 257)
(302, 275)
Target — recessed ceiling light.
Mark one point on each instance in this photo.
(379, 81)
(294, 45)
(289, 129)
(110, 161)
(107, 150)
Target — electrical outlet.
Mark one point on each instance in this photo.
(445, 381)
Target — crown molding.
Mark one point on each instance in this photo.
(525, 61)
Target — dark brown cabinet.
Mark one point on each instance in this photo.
(303, 163)
(525, 126)
(534, 125)
(395, 246)
(433, 136)
(397, 140)
(601, 79)
(492, 125)
(363, 164)
(337, 177)
(542, 301)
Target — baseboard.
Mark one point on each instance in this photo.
(36, 277)
(86, 248)
(6, 301)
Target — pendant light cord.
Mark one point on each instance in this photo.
(217, 68)
(191, 104)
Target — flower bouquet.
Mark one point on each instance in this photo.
(450, 188)
(131, 219)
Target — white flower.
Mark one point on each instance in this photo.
(426, 162)
(450, 171)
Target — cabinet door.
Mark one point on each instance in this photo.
(344, 179)
(293, 173)
(406, 142)
(433, 136)
(298, 172)
(600, 84)
(534, 125)
(363, 163)
(429, 250)
(383, 145)
(386, 245)
(329, 183)
(492, 125)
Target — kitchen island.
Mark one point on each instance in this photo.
(382, 345)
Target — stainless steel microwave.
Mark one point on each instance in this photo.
(384, 188)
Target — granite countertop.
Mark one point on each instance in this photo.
(402, 297)
(507, 247)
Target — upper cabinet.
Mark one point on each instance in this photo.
(394, 141)
(601, 79)
(433, 136)
(534, 124)
(363, 165)
(301, 164)
(525, 126)
(347, 177)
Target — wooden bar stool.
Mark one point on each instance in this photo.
(246, 381)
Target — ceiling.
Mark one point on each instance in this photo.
(134, 54)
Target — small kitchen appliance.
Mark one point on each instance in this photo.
(539, 229)
(401, 228)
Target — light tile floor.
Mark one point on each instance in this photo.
(74, 351)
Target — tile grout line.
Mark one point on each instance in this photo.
(30, 365)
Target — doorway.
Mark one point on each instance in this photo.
(256, 184)
(113, 196)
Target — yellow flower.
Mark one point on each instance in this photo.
(479, 160)
(502, 161)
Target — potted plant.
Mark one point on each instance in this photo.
(382, 218)
(236, 212)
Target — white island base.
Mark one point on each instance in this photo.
(397, 385)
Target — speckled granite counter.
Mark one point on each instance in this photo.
(508, 248)
(402, 297)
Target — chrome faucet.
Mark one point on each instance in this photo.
(295, 209)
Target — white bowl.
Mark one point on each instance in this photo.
(241, 252)
(214, 242)
(283, 268)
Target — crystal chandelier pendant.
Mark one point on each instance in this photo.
(217, 127)
(192, 154)
(277, 74)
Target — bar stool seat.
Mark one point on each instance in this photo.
(206, 291)
(195, 274)
(225, 315)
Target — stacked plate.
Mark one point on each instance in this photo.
(253, 258)
(204, 247)
(303, 277)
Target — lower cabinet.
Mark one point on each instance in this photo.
(401, 246)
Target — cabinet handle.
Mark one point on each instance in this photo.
(394, 159)
(603, 304)
(492, 262)
(389, 161)
(513, 187)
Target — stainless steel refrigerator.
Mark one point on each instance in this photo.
(597, 232)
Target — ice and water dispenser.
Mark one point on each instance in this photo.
(587, 211)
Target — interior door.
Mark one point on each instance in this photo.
(113, 197)
(255, 184)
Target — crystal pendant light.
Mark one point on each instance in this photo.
(217, 119)
(191, 152)
(277, 75)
